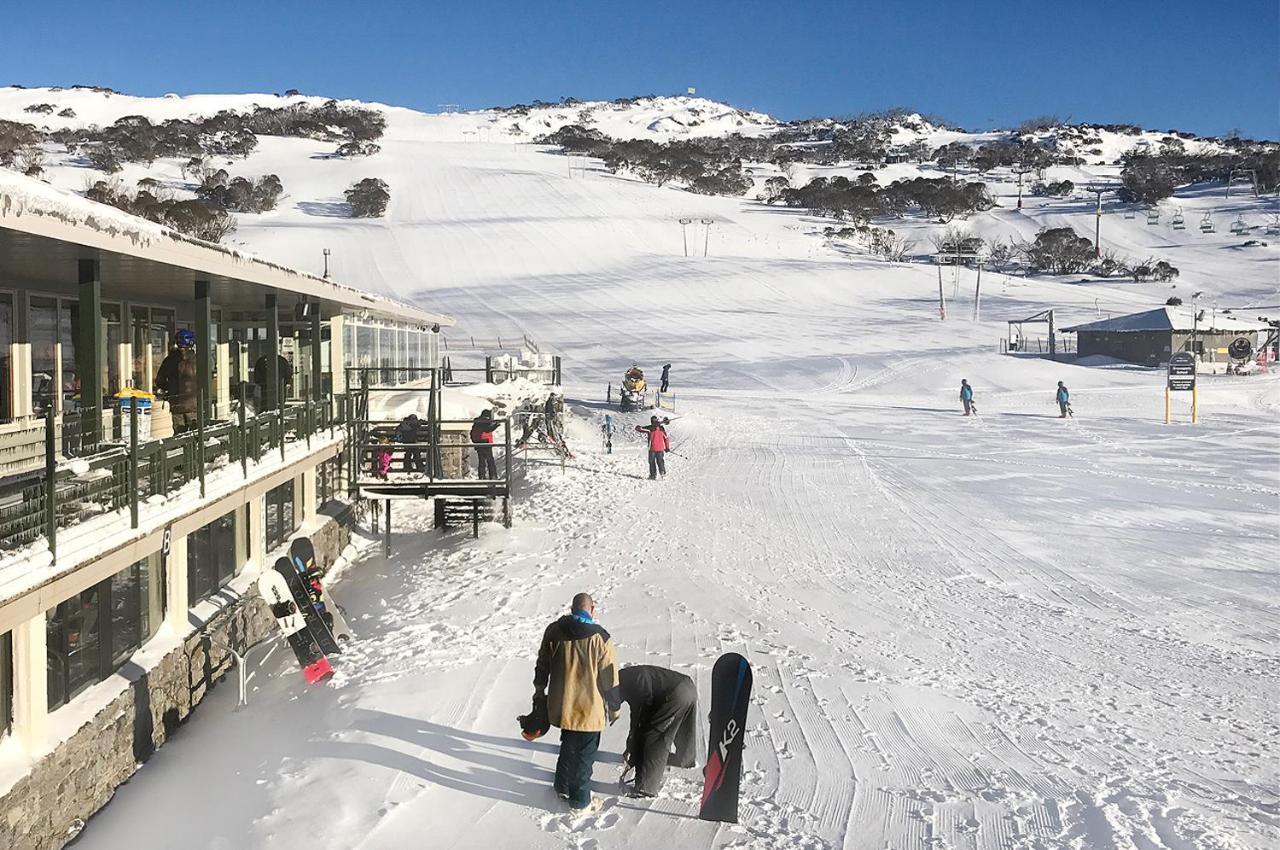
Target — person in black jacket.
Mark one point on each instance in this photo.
(176, 381)
(408, 431)
(482, 428)
(664, 708)
(260, 377)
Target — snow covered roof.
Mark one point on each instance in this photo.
(1171, 319)
(33, 213)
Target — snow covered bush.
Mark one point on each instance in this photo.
(354, 148)
(368, 198)
(104, 156)
(241, 194)
(1059, 250)
(1146, 180)
(40, 108)
(887, 245)
(15, 138)
(1060, 189)
(200, 218)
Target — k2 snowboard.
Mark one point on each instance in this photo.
(275, 591)
(303, 555)
(730, 694)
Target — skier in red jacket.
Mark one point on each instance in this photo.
(659, 445)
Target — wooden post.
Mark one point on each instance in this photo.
(133, 462)
(271, 392)
(89, 347)
(386, 541)
(206, 347)
(1166, 404)
(201, 405)
(244, 438)
(1195, 403)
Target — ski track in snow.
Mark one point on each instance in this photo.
(1002, 633)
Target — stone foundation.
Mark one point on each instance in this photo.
(46, 808)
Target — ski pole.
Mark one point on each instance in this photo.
(676, 453)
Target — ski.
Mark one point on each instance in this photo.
(274, 589)
(730, 695)
(303, 555)
(606, 432)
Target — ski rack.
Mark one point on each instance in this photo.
(241, 672)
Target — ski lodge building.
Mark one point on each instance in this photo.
(1149, 338)
(127, 569)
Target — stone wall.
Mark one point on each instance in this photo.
(47, 808)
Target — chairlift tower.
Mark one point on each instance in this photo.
(1242, 176)
(1098, 189)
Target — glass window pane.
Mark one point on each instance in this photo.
(111, 340)
(140, 320)
(160, 334)
(56, 653)
(68, 321)
(82, 632)
(126, 612)
(366, 346)
(43, 326)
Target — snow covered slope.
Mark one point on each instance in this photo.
(1009, 631)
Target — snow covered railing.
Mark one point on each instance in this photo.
(95, 474)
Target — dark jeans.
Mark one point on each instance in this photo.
(1062, 405)
(573, 768)
(485, 467)
(657, 463)
(656, 729)
(968, 406)
(413, 461)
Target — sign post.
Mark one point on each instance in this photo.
(1182, 378)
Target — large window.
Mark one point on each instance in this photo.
(68, 317)
(43, 328)
(112, 338)
(211, 558)
(94, 632)
(6, 682)
(137, 607)
(281, 519)
(366, 346)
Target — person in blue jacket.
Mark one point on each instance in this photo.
(966, 396)
(1063, 400)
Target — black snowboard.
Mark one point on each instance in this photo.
(306, 600)
(730, 694)
(274, 589)
(303, 555)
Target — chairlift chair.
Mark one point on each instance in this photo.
(1178, 222)
(1153, 216)
(1130, 213)
(1206, 224)
(1273, 229)
(1239, 226)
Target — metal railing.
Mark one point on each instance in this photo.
(115, 474)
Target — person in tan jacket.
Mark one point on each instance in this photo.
(578, 672)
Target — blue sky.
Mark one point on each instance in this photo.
(1206, 66)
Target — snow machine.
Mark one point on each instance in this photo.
(632, 395)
